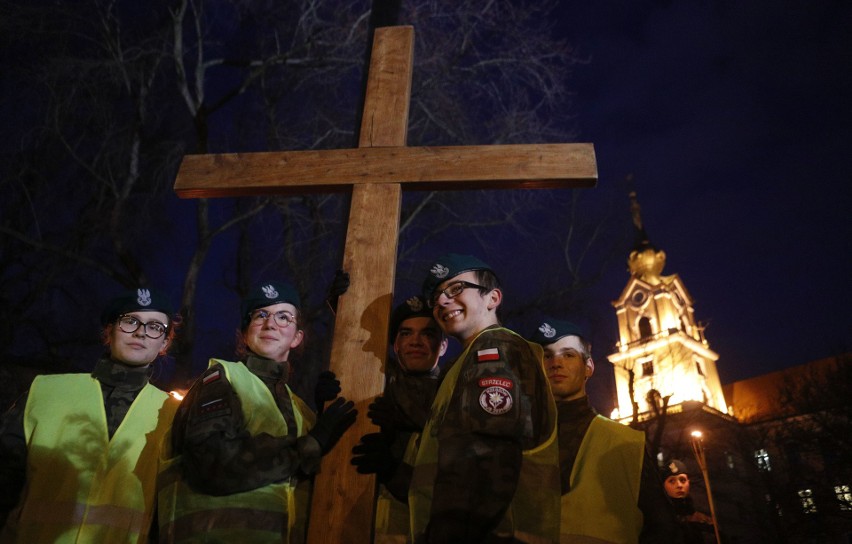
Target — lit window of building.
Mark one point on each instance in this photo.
(844, 497)
(806, 496)
(761, 457)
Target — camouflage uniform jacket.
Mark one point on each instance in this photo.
(483, 435)
(120, 385)
(220, 456)
(413, 395)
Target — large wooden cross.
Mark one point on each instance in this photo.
(343, 501)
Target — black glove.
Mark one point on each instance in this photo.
(387, 415)
(328, 387)
(333, 422)
(338, 286)
(373, 456)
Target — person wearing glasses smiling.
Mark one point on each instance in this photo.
(487, 469)
(610, 490)
(245, 443)
(83, 451)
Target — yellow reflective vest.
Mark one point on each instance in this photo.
(83, 486)
(602, 504)
(533, 514)
(272, 513)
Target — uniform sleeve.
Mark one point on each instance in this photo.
(498, 410)
(13, 457)
(659, 523)
(220, 457)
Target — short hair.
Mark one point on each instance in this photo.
(487, 279)
(587, 347)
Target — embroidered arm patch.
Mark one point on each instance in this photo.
(487, 355)
(212, 409)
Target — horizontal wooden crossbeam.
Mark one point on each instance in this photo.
(462, 167)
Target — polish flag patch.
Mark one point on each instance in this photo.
(212, 377)
(486, 355)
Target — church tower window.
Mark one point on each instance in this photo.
(645, 331)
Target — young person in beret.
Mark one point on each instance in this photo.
(80, 454)
(245, 444)
(487, 469)
(610, 489)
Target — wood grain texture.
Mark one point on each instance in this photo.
(463, 167)
(342, 509)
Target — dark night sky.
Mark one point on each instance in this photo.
(735, 119)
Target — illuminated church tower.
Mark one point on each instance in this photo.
(659, 339)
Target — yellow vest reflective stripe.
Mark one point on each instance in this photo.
(602, 505)
(83, 486)
(392, 515)
(533, 515)
(272, 513)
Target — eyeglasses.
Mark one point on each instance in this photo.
(153, 329)
(452, 291)
(282, 318)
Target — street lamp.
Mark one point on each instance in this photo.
(698, 450)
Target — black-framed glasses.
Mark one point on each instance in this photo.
(282, 318)
(153, 329)
(452, 291)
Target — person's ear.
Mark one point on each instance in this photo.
(495, 297)
(445, 342)
(297, 339)
(167, 342)
(590, 367)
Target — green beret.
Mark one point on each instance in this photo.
(672, 468)
(551, 330)
(413, 307)
(143, 299)
(266, 294)
(450, 266)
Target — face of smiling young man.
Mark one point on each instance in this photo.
(266, 338)
(567, 368)
(418, 345)
(136, 348)
(469, 312)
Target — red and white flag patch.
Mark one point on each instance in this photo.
(486, 355)
(212, 377)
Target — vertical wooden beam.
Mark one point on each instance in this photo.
(343, 503)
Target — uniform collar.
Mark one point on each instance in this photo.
(575, 408)
(115, 374)
(267, 368)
